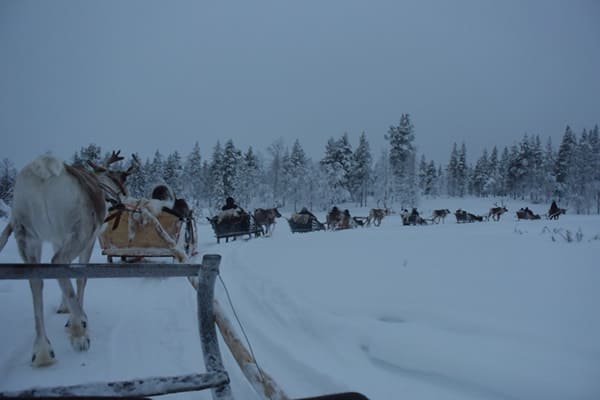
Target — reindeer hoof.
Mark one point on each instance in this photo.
(43, 355)
(80, 343)
(62, 309)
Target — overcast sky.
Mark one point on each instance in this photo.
(147, 75)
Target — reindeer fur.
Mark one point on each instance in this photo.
(64, 205)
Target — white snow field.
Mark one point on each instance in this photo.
(491, 310)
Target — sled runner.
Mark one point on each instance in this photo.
(139, 229)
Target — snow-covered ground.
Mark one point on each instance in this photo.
(492, 310)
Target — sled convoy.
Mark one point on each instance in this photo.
(234, 222)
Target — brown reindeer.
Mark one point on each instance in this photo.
(496, 212)
(376, 215)
(333, 218)
(66, 206)
(440, 215)
(555, 211)
(265, 217)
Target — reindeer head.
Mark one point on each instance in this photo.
(113, 180)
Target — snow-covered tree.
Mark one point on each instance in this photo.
(462, 172)
(91, 152)
(337, 164)
(274, 172)
(452, 172)
(231, 164)
(480, 175)
(402, 160)
(298, 176)
(173, 173)
(249, 178)
(382, 182)
(217, 193)
(136, 181)
(8, 174)
(361, 171)
(564, 160)
(192, 175)
(155, 172)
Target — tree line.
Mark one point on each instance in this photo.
(287, 177)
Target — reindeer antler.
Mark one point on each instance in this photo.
(135, 164)
(114, 157)
(95, 166)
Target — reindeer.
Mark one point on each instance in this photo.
(440, 215)
(496, 212)
(555, 211)
(333, 218)
(265, 217)
(376, 215)
(66, 206)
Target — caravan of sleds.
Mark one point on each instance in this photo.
(233, 221)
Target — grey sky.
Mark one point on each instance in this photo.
(142, 75)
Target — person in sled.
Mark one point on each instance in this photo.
(230, 212)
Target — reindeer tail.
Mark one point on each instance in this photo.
(5, 234)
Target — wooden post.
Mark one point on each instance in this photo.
(215, 377)
(258, 378)
(206, 322)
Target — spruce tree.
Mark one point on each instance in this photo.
(192, 173)
(361, 172)
(452, 172)
(155, 172)
(402, 161)
(564, 160)
(8, 174)
(249, 177)
(298, 176)
(173, 173)
(216, 185)
(136, 181)
(231, 164)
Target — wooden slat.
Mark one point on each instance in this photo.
(139, 251)
(138, 270)
(132, 388)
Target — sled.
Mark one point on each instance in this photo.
(310, 226)
(139, 234)
(232, 228)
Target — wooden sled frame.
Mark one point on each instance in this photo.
(164, 235)
(313, 226)
(226, 230)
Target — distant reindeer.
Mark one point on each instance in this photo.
(496, 212)
(333, 218)
(440, 215)
(376, 216)
(265, 217)
(66, 206)
(555, 211)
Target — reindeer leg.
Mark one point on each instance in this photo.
(77, 324)
(84, 258)
(42, 349)
(30, 250)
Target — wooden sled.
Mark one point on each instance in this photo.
(310, 226)
(231, 229)
(139, 233)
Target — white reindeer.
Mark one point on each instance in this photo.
(66, 206)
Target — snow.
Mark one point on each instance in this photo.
(491, 310)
